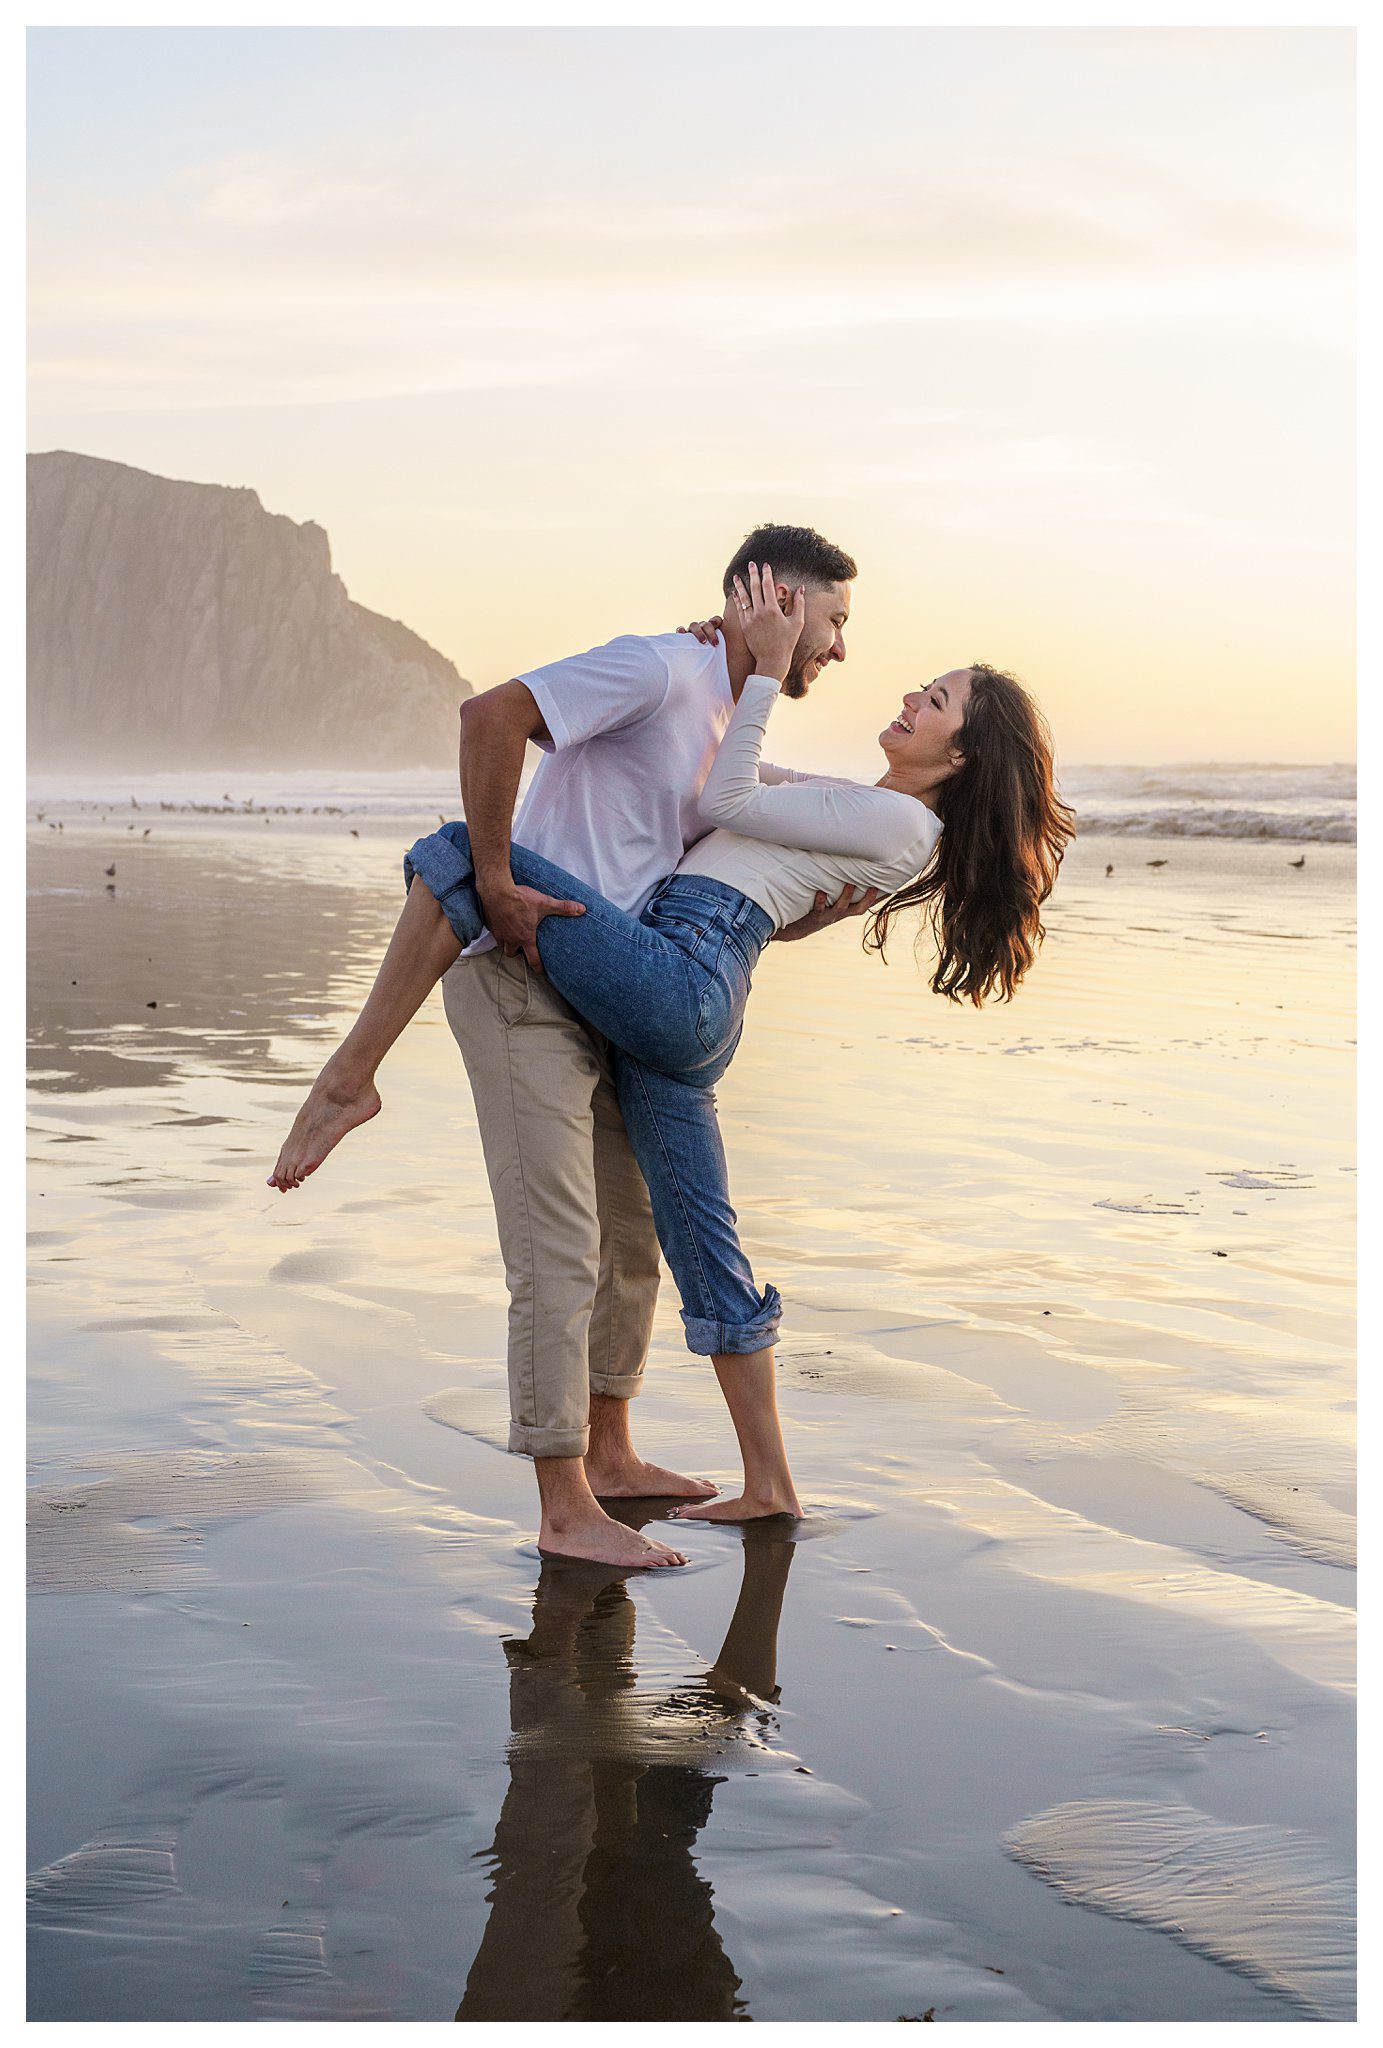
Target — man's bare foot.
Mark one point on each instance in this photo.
(743, 1508)
(596, 1537)
(332, 1108)
(631, 1478)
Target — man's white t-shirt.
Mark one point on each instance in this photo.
(635, 726)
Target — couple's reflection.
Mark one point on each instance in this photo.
(597, 1911)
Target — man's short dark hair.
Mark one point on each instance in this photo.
(796, 554)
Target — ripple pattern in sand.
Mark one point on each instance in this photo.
(85, 1537)
(104, 1881)
(1265, 1901)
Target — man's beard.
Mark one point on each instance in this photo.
(795, 682)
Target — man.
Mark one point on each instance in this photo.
(628, 733)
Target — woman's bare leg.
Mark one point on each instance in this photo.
(746, 1670)
(344, 1094)
(748, 1383)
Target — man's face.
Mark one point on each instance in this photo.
(822, 638)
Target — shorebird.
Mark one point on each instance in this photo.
(1157, 863)
(111, 869)
(1109, 870)
(1297, 863)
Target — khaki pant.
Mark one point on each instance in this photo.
(575, 1225)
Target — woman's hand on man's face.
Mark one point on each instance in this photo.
(770, 632)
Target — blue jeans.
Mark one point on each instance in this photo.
(668, 990)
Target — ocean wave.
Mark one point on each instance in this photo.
(1311, 805)
(1196, 821)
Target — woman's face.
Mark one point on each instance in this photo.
(921, 739)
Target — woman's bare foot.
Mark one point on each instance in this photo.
(743, 1508)
(334, 1106)
(595, 1536)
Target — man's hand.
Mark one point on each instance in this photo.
(514, 913)
(823, 913)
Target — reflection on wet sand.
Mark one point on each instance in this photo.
(1098, 1411)
(597, 1909)
(128, 989)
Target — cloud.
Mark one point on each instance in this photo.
(957, 218)
(303, 277)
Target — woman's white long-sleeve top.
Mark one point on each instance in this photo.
(779, 842)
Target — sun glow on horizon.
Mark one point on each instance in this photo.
(1051, 329)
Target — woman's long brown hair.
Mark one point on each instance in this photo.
(1004, 831)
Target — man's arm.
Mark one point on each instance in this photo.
(495, 729)
(824, 913)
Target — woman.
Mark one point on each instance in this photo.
(668, 988)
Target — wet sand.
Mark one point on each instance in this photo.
(1045, 1710)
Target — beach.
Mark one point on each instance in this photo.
(1043, 1712)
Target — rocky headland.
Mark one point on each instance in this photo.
(180, 625)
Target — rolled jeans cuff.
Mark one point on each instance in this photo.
(710, 1339)
(446, 870)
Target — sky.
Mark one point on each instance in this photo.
(1050, 328)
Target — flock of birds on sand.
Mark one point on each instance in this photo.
(249, 805)
(1109, 865)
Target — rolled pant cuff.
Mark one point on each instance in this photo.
(619, 1386)
(526, 1441)
(439, 862)
(710, 1339)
